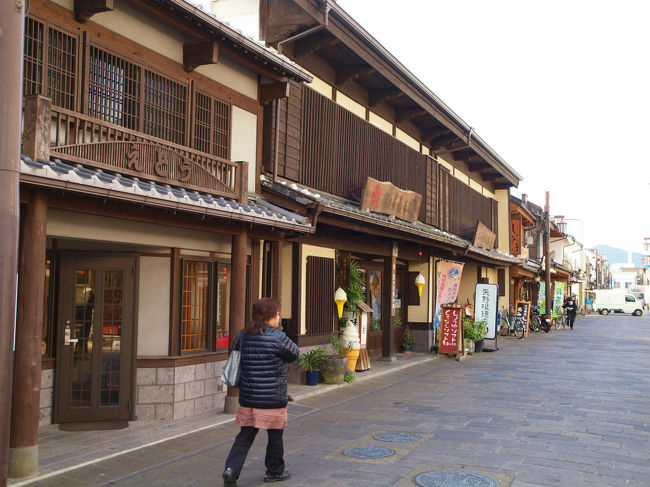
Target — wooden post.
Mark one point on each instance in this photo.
(387, 309)
(254, 291)
(547, 255)
(243, 182)
(237, 303)
(23, 446)
(12, 22)
(36, 135)
(276, 270)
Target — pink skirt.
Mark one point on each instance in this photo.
(266, 419)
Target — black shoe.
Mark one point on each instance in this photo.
(277, 477)
(229, 478)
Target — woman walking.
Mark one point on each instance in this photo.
(265, 351)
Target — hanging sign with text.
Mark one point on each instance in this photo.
(448, 285)
(451, 330)
(486, 306)
(384, 197)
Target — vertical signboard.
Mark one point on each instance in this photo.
(541, 298)
(451, 330)
(486, 300)
(558, 297)
(448, 284)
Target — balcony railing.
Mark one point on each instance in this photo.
(79, 138)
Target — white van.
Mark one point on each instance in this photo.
(612, 300)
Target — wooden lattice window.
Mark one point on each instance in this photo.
(113, 89)
(211, 125)
(194, 320)
(164, 108)
(57, 70)
(320, 292)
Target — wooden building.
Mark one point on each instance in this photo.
(363, 116)
(142, 142)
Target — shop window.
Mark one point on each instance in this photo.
(204, 306)
(320, 295)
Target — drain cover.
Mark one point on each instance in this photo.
(483, 375)
(452, 478)
(367, 452)
(397, 437)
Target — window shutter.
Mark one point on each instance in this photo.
(320, 295)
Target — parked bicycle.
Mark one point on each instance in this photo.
(518, 327)
(535, 323)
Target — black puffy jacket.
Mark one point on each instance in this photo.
(263, 379)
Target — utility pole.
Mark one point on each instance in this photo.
(547, 254)
(597, 270)
(11, 59)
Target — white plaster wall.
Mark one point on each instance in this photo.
(380, 123)
(287, 279)
(503, 199)
(244, 142)
(232, 75)
(67, 224)
(321, 87)
(153, 306)
(432, 288)
(310, 250)
(407, 139)
(420, 314)
(351, 105)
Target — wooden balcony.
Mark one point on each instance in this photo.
(76, 137)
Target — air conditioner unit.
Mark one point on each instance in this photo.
(529, 241)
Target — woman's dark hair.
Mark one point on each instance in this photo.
(263, 310)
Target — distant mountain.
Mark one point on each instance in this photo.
(618, 256)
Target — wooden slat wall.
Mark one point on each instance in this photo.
(340, 150)
(320, 295)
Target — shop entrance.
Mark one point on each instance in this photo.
(95, 339)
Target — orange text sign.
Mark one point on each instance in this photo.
(451, 330)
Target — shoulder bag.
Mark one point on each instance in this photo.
(231, 371)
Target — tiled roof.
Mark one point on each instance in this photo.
(80, 178)
(351, 209)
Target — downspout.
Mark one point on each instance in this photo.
(311, 30)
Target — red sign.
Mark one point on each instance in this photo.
(515, 237)
(450, 330)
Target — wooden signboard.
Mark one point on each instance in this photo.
(384, 197)
(451, 330)
(522, 310)
(515, 237)
(484, 237)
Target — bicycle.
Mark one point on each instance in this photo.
(535, 323)
(518, 328)
(562, 321)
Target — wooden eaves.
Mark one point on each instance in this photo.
(367, 69)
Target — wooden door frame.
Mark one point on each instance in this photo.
(68, 258)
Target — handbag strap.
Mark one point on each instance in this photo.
(238, 339)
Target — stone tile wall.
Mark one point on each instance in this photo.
(170, 393)
(47, 397)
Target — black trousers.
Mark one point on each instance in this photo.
(570, 317)
(274, 459)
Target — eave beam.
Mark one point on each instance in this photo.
(84, 9)
(273, 91)
(195, 55)
(403, 114)
(311, 45)
(443, 141)
(344, 74)
(382, 96)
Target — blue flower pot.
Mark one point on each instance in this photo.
(312, 377)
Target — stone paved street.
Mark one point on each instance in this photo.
(567, 408)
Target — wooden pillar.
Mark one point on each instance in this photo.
(23, 446)
(387, 309)
(254, 291)
(237, 302)
(276, 270)
(12, 23)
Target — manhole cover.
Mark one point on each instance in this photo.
(484, 375)
(397, 437)
(451, 478)
(368, 452)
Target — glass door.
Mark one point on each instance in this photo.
(95, 340)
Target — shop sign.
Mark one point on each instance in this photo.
(486, 299)
(541, 298)
(448, 284)
(515, 237)
(384, 197)
(451, 330)
(522, 311)
(484, 237)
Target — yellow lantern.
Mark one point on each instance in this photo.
(420, 282)
(340, 298)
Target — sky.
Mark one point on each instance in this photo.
(559, 89)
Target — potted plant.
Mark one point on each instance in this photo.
(355, 290)
(311, 361)
(473, 332)
(480, 327)
(407, 340)
(335, 367)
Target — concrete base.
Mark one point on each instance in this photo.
(23, 462)
(232, 405)
(392, 358)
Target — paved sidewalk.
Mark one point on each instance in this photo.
(64, 451)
